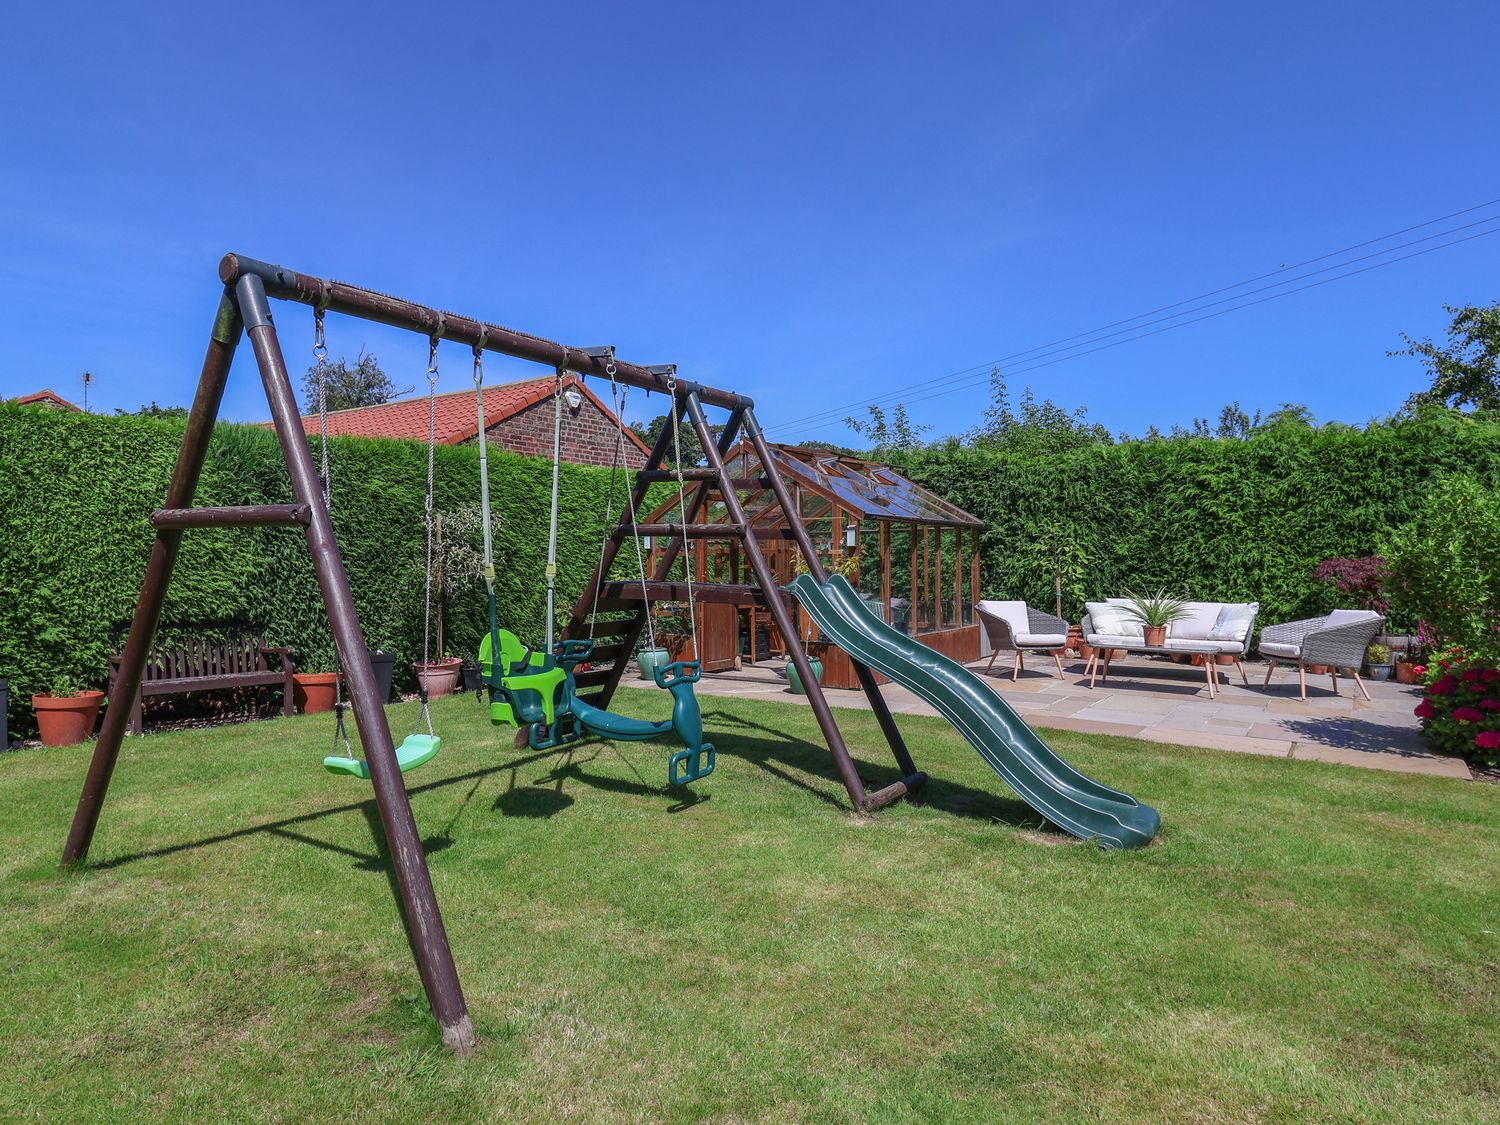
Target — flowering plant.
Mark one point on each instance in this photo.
(1460, 710)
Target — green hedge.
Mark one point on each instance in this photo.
(1236, 520)
(76, 491)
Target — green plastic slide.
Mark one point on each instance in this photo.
(1067, 798)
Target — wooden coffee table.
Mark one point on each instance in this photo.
(1098, 668)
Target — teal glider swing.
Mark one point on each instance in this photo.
(536, 690)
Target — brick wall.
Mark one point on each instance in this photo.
(588, 435)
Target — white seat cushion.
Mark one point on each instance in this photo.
(1114, 640)
(1112, 620)
(1200, 618)
(1234, 622)
(1279, 648)
(1348, 617)
(1218, 646)
(1011, 612)
(1042, 640)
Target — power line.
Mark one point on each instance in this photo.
(832, 412)
(965, 384)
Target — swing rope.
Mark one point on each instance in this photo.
(617, 400)
(557, 403)
(320, 353)
(484, 492)
(687, 554)
(432, 381)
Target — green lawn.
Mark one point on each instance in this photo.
(1304, 942)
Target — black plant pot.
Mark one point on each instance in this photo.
(384, 666)
(471, 676)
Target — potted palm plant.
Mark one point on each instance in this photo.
(1155, 612)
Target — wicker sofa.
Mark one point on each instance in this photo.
(1016, 627)
(1228, 626)
(1337, 640)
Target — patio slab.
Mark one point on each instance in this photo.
(1169, 703)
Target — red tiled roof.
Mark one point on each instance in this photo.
(49, 397)
(455, 420)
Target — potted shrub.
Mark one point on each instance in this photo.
(648, 660)
(1378, 661)
(1155, 612)
(65, 713)
(438, 677)
(313, 692)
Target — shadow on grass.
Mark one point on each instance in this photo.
(780, 754)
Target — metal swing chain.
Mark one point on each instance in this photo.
(489, 545)
(320, 354)
(432, 381)
(687, 555)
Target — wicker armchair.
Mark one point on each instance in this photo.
(1042, 632)
(1336, 641)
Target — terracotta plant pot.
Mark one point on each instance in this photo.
(1183, 658)
(1224, 657)
(313, 691)
(1156, 635)
(1406, 672)
(66, 719)
(439, 677)
(1317, 669)
(1075, 640)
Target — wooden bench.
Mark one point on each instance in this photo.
(233, 658)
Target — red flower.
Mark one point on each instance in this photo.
(1424, 709)
(1420, 669)
(1472, 675)
(1467, 714)
(1488, 740)
(1442, 687)
(1491, 674)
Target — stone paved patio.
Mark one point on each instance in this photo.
(1164, 702)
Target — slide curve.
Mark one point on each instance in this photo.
(1069, 799)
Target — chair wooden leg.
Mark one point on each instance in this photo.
(1302, 678)
(1091, 669)
(1362, 687)
(1240, 664)
(1057, 659)
(1015, 672)
(1334, 672)
(1270, 667)
(993, 653)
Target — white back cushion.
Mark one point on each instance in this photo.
(1348, 617)
(1111, 618)
(1013, 613)
(1234, 621)
(1197, 624)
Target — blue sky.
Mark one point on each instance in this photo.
(812, 203)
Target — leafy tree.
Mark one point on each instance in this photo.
(1444, 565)
(1467, 371)
(152, 410)
(1032, 426)
(896, 434)
(687, 437)
(363, 384)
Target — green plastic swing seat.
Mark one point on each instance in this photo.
(415, 750)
